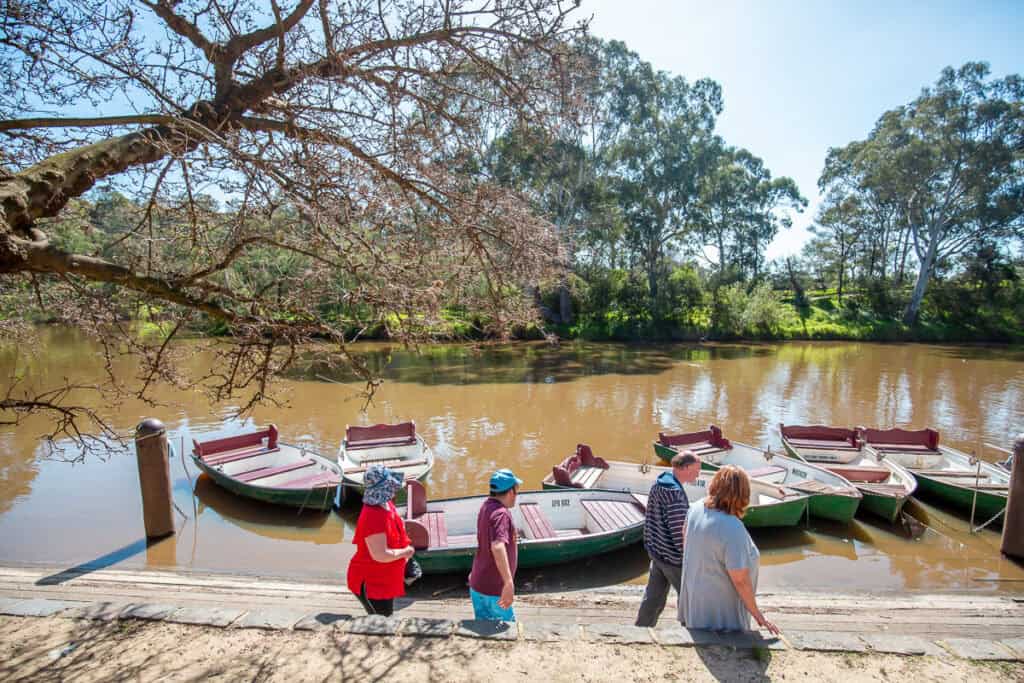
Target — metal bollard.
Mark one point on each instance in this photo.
(1013, 525)
(154, 478)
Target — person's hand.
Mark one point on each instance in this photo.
(507, 595)
(767, 625)
(407, 552)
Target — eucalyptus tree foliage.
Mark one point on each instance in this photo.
(324, 129)
(842, 224)
(949, 164)
(661, 129)
(740, 208)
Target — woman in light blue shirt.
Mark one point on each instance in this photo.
(720, 561)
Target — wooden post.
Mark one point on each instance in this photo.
(154, 478)
(1013, 525)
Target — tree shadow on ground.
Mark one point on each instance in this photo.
(132, 650)
(736, 664)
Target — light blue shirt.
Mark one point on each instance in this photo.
(716, 542)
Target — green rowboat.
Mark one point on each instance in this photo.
(831, 496)
(885, 485)
(944, 473)
(770, 505)
(396, 446)
(555, 526)
(258, 466)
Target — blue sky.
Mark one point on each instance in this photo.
(800, 77)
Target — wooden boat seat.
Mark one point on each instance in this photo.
(537, 521)
(586, 477)
(393, 464)
(812, 486)
(609, 515)
(830, 444)
(264, 472)
(904, 448)
(244, 453)
(437, 528)
(569, 533)
(951, 473)
(861, 473)
(321, 479)
(892, 490)
(379, 436)
(765, 471)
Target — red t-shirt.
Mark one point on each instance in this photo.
(383, 579)
(494, 523)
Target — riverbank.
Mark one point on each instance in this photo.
(109, 624)
(74, 649)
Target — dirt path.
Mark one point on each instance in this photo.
(33, 649)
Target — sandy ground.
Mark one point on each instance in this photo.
(34, 649)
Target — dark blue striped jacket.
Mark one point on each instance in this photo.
(667, 507)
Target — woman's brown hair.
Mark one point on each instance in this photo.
(729, 491)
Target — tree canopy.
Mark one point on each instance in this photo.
(320, 136)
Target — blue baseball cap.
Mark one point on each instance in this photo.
(503, 480)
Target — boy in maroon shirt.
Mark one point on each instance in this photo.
(491, 581)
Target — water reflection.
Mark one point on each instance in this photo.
(526, 407)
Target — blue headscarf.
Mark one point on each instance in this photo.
(381, 485)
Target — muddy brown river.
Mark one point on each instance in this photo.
(525, 406)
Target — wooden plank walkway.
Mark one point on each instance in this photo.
(960, 615)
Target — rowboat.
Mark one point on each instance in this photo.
(258, 466)
(831, 496)
(885, 484)
(555, 526)
(396, 446)
(770, 505)
(943, 472)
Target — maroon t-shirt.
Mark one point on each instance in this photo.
(493, 524)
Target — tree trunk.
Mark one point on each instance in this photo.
(923, 275)
(652, 282)
(839, 290)
(564, 303)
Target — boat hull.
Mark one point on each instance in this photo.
(352, 486)
(988, 505)
(886, 507)
(320, 498)
(443, 561)
(785, 513)
(533, 552)
(957, 492)
(835, 507)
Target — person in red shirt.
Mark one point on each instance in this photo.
(492, 579)
(376, 572)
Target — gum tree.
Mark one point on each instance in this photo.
(325, 132)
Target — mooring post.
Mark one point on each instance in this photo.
(154, 477)
(1013, 525)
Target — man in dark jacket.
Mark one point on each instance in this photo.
(667, 506)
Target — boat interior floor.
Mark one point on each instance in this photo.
(812, 486)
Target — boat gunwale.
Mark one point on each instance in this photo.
(907, 478)
(534, 542)
(949, 481)
(421, 471)
(215, 474)
(790, 494)
(848, 490)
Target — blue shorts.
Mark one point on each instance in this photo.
(486, 607)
